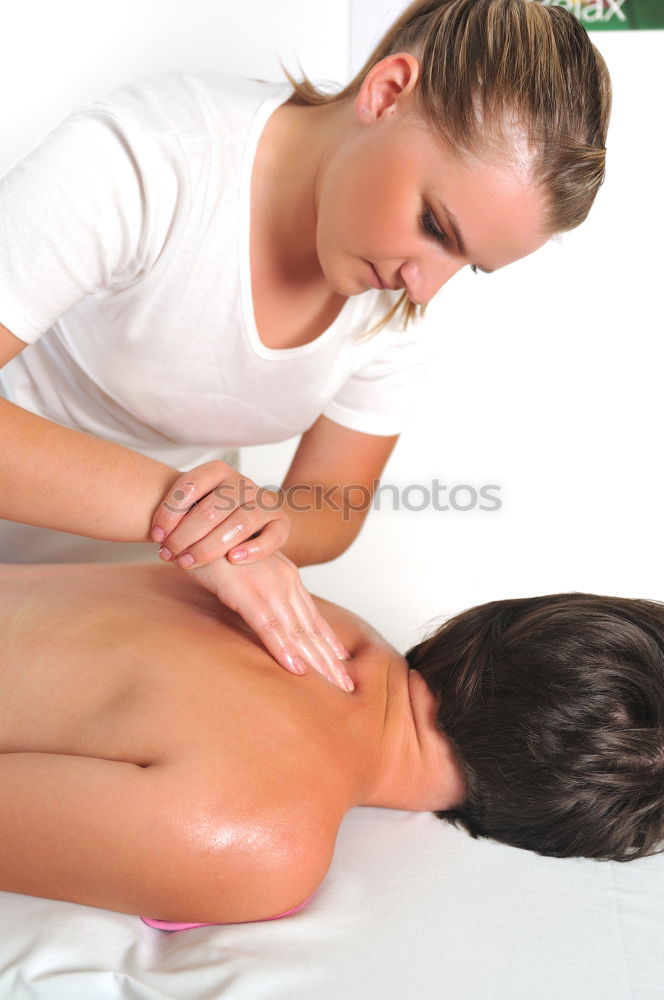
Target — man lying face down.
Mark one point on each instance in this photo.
(155, 760)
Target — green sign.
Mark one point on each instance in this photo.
(614, 15)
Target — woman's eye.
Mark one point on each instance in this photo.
(431, 228)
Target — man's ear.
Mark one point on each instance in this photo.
(387, 87)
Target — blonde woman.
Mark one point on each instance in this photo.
(191, 264)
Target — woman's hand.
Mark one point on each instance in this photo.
(273, 601)
(212, 511)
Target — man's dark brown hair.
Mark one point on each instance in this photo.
(555, 707)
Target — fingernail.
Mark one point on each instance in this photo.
(237, 555)
(165, 554)
(345, 655)
(348, 684)
(158, 534)
(186, 561)
(295, 663)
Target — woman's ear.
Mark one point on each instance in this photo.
(388, 87)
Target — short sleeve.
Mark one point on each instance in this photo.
(377, 398)
(72, 220)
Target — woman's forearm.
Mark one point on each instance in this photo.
(323, 524)
(71, 481)
(68, 480)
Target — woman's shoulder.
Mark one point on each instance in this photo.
(185, 103)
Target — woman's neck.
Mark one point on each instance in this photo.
(291, 153)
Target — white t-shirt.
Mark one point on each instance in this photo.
(124, 263)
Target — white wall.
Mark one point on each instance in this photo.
(56, 55)
(368, 21)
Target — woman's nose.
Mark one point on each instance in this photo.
(423, 278)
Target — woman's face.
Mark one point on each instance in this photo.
(397, 207)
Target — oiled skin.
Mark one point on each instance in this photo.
(154, 758)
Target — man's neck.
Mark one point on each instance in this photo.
(417, 768)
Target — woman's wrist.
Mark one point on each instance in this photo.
(318, 535)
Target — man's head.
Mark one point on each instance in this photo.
(555, 708)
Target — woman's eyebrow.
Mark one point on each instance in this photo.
(454, 226)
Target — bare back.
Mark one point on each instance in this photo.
(140, 664)
(140, 670)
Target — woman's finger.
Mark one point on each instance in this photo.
(269, 539)
(246, 527)
(324, 630)
(289, 632)
(303, 635)
(212, 513)
(190, 487)
(292, 644)
(310, 645)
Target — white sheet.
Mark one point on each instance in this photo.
(412, 909)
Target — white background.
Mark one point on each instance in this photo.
(57, 55)
(547, 376)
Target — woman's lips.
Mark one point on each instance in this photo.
(379, 283)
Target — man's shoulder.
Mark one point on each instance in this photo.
(355, 632)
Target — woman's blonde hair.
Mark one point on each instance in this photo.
(489, 65)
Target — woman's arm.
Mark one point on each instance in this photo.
(64, 479)
(332, 480)
(324, 500)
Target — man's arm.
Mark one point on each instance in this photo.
(146, 840)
